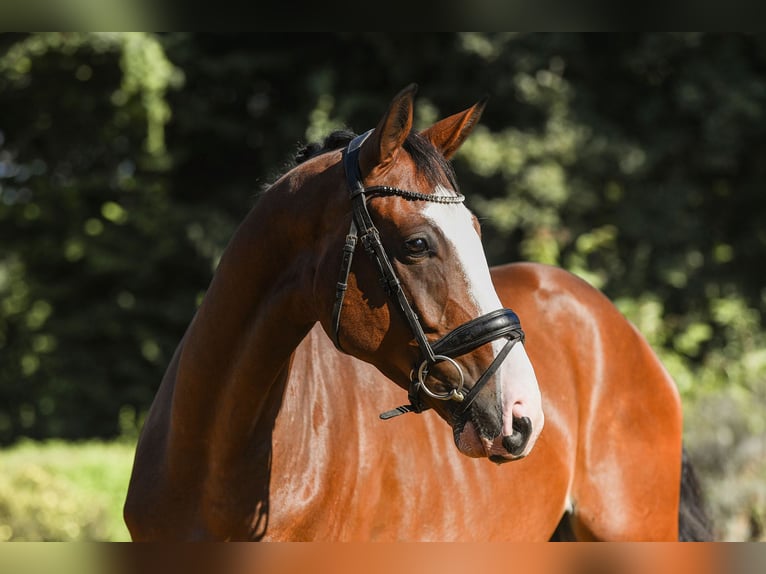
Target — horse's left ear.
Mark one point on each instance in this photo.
(448, 135)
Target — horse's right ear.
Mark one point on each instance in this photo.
(379, 150)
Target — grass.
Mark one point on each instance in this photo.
(64, 491)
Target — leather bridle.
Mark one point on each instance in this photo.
(502, 323)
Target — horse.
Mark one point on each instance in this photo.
(359, 278)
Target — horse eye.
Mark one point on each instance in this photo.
(416, 246)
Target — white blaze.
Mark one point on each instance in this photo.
(520, 392)
(456, 224)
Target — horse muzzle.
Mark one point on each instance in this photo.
(505, 422)
(471, 440)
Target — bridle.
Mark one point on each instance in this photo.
(502, 323)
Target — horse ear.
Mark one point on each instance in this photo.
(448, 135)
(381, 147)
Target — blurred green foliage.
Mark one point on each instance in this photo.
(127, 160)
(57, 491)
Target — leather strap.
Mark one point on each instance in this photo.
(362, 225)
(342, 285)
(477, 332)
(356, 187)
(487, 375)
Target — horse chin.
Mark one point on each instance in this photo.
(470, 442)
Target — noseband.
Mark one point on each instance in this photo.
(502, 323)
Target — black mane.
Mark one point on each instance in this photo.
(426, 157)
(336, 140)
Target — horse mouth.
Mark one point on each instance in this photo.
(479, 436)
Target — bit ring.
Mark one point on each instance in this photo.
(455, 394)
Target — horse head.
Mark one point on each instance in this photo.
(421, 305)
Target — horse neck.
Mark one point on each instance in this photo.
(238, 346)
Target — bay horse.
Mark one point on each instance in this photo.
(357, 279)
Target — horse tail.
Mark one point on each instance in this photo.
(694, 525)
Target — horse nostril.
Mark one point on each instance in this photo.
(522, 430)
